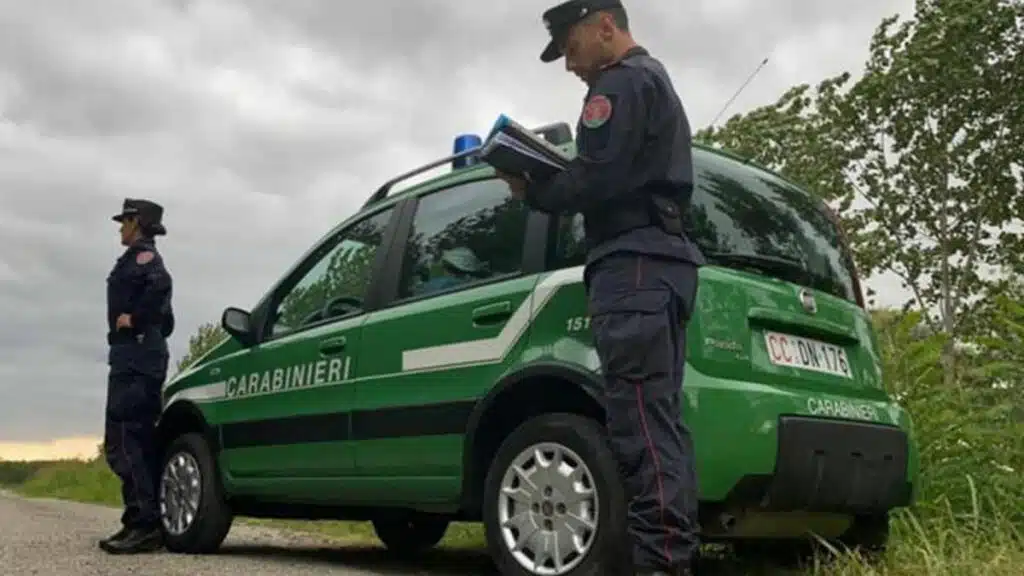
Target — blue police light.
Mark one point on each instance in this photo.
(465, 142)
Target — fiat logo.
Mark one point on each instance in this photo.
(808, 302)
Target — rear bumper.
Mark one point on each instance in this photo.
(831, 466)
(838, 466)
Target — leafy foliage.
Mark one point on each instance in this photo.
(920, 155)
(968, 435)
(789, 136)
(926, 132)
(1002, 336)
(206, 338)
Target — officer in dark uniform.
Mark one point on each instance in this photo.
(140, 320)
(632, 180)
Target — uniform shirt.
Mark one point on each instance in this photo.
(140, 285)
(633, 137)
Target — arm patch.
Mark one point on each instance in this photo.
(597, 111)
(143, 258)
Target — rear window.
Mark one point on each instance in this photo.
(742, 217)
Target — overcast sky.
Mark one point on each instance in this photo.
(260, 124)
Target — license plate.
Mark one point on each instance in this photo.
(807, 354)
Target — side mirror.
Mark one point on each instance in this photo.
(238, 324)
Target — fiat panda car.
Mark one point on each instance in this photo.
(430, 360)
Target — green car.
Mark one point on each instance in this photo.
(430, 361)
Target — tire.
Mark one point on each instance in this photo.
(581, 441)
(408, 535)
(189, 457)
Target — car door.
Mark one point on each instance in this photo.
(286, 412)
(458, 315)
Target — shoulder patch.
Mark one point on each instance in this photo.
(597, 111)
(143, 258)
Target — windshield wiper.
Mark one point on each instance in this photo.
(767, 264)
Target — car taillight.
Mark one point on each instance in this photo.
(857, 293)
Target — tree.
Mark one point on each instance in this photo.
(928, 141)
(922, 154)
(790, 137)
(206, 338)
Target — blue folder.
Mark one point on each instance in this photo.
(517, 151)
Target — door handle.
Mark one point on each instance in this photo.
(492, 313)
(332, 346)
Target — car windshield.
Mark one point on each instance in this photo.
(742, 217)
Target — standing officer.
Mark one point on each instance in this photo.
(631, 180)
(140, 319)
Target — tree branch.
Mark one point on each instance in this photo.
(917, 295)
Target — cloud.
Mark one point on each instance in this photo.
(261, 124)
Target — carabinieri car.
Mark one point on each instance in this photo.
(430, 360)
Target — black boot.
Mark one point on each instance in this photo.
(136, 541)
(116, 536)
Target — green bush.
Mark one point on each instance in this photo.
(15, 473)
(969, 438)
(89, 481)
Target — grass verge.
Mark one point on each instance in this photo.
(935, 541)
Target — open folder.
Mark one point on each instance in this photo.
(518, 151)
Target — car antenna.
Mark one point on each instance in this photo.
(740, 90)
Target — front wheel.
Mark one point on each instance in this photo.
(553, 501)
(194, 514)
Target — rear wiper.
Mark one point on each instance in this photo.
(769, 264)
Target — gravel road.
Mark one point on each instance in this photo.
(51, 537)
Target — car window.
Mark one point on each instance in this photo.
(464, 235)
(336, 279)
(570, 246)
(740, 211)
(737, 210)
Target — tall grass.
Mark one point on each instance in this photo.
(981, 541)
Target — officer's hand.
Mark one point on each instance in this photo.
(124, 321)
(515, 184)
